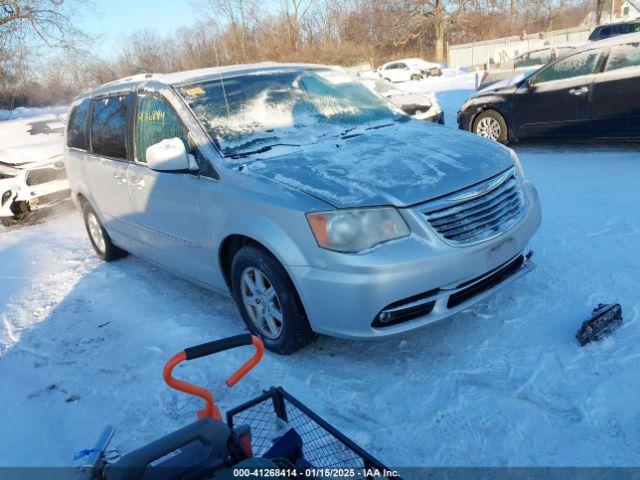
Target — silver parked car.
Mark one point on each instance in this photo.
(309, 198)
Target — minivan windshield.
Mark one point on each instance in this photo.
(253, 112)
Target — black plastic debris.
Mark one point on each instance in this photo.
(605, 318)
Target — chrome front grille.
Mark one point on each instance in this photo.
(479, 212)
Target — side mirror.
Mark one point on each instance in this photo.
(168, 155)
(528, 83)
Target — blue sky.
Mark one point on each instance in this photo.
(113, 20)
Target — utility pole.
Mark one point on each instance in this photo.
(440, 25)
(599, 5)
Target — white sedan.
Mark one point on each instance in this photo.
(408, 69)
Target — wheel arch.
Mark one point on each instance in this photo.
(234, 242)
(228, 249)
(511, 135)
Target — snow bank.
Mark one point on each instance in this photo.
(25, 112)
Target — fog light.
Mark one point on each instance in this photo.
(403, 314)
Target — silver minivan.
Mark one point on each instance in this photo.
(317, 204)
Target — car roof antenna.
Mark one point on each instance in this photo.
(224, 93)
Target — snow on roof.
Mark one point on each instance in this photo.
(230, 70)
(615, 40)
(418, 60)
(131, 82)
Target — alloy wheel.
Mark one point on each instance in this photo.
(488, 127)
(261, 302)
(96, 232)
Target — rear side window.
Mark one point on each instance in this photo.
(624, 56)
(77, 128)
(574, 66)
(628, 28)
(109, 127)
(155, 121)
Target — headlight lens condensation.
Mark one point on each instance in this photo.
(355, 230)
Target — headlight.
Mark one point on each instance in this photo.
(6, 196)
(517, 164)
(356, 230)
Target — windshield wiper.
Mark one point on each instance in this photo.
(347, 133)
(266, 148)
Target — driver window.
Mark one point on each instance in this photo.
(155, 121)
(541, 57)
(574, 66)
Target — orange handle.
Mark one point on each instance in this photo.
(211, 410)
(249, 364)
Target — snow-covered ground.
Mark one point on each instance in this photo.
(82, 343)
(25, 112)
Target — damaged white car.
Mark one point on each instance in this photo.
(419, 106)
(32, 173)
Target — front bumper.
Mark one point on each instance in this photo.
(15, 191)
(345, 298)
(463, 120)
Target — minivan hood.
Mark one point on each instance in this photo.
(400, 165)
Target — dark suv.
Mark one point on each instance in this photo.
(606, 31)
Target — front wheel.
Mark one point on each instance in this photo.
(268, 301)
(490, 124)
(100, 239)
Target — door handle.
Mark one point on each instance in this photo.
(119, 178)
(579, 91)
(137, 182)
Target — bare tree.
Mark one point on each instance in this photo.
(238, 18)
(294, 12)
(49, 20)
(24, 26)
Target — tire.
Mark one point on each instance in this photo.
(98, 236)
(416, 76)
(490, 124)
(273, 296)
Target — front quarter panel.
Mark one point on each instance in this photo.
(263, 210)
(501, 101)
